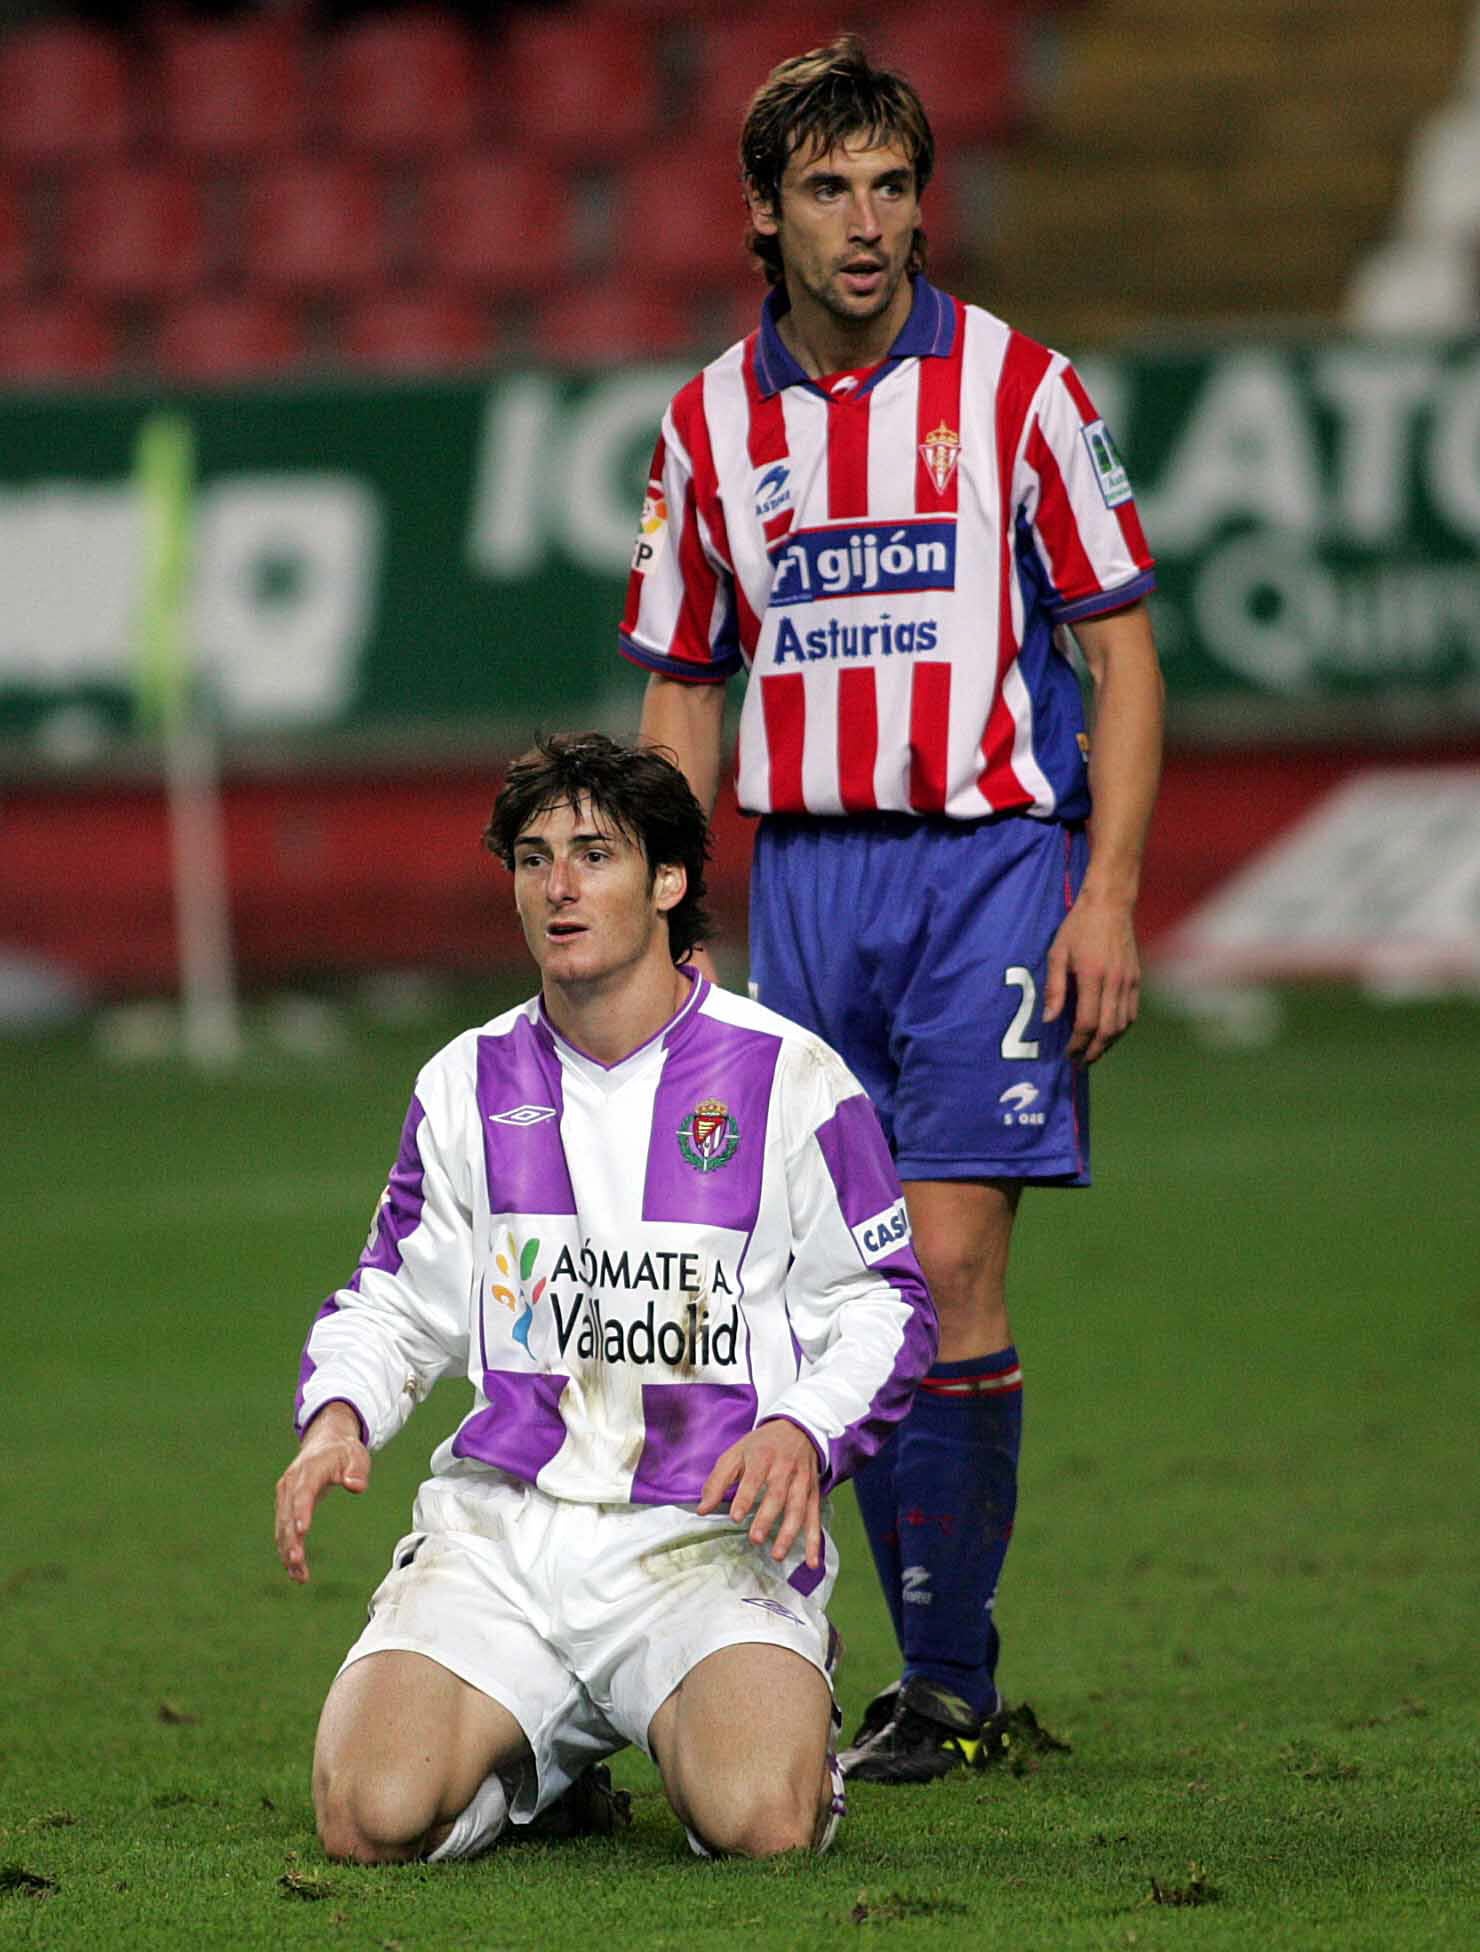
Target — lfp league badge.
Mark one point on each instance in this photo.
(708, 1136)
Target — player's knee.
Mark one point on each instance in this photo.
(967, 1285)
(766, 1823)
(363, 1821)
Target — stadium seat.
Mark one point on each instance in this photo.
(55, 341)
(234, 89)
(135, 231)
(583, 86)
(669, 12)
(15, 251)
(737, 311)
(402, 84)
(64, 95)
(943, 227)
(421, 331)
(224, 337)
(737, 51)
(685, 207)
(500, 222)
(314, 227)
(596, 325)
(968, 64)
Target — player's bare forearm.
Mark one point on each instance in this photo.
(332, 1452)
(1096, 950)
(689, 720)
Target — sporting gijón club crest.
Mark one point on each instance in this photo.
(708, 1136)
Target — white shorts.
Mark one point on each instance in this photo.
(581, 1620)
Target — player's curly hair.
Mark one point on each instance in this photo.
(638, 788)
(818, 101)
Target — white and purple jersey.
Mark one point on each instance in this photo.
(634, 1264)
(889, 558)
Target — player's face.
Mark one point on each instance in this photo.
(591, 911)
(845, 224)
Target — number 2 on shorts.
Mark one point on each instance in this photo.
(1014, 1043)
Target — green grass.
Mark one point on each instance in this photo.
(1244, 1584)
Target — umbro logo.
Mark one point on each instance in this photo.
(523, 1115)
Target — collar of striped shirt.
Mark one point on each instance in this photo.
(928, 333)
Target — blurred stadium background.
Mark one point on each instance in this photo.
(419, 279)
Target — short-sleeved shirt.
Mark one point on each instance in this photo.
(890, 560)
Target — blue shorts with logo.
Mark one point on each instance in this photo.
(918, 948)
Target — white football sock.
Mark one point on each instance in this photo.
(478, 1827)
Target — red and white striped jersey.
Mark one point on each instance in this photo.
(890, 561)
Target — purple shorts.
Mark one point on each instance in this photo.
(918, 948)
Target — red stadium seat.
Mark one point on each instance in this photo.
(135, 231)
(15, 250)
(684, 209)
(234, 89)
(582, 86)
(968, 64)
(230, 337)
(402, 85)
(54, 341)
(678, 12)
(500, 222)
(314, 227)
(739, 309)
(64, 96)
(416, 332)
(600, 324)
(738, 52)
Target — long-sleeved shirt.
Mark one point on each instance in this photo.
(634, 1264)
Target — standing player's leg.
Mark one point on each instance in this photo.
(986, 1102)
(969, 1407)
(836, 980)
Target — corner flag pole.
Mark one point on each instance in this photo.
(164, 468)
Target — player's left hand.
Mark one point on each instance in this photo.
(1095, 953)
(772, 1474)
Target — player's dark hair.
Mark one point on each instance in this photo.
(828, 98)
(637, 788)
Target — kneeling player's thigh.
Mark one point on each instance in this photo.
(456, 1672)
(986, 1089)
(403, 1718)
(742, 1744)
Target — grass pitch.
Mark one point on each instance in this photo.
(1244, 1585)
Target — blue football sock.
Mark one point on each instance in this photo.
(878, 1506)
(955, 1486)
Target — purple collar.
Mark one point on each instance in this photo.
(668, 1034)
(928, 333)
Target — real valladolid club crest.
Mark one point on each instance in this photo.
(941, 450)
(708, 1136)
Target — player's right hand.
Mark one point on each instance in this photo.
(331, 1454)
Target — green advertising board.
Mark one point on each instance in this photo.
(1315, 512)
(453, 555)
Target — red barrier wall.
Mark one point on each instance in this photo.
(347, 872)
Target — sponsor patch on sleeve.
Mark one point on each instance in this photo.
(883, 1233)
(652, 530)
(1115, 483)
